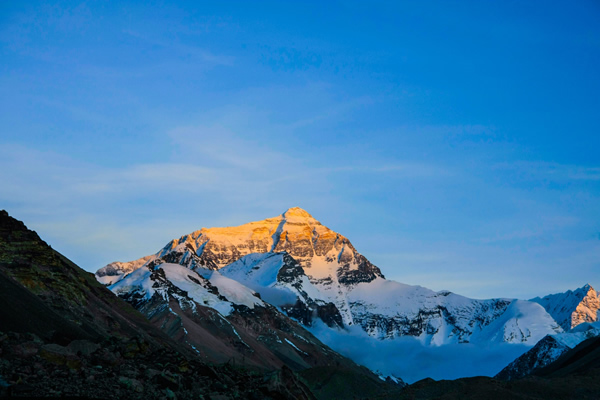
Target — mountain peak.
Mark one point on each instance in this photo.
(296, 212)
(298, 216)
(573, 307)
(587, 287)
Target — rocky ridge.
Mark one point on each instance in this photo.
(572, 308)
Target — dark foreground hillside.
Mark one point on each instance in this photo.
(62, 334)
(584, 386)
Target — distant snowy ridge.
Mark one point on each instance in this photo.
(386, 309)
(310, 271)
(572, 308)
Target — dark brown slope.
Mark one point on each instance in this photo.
(68, 301)
(260, 337)
(23, 312)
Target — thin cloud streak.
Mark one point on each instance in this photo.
(551, 171)
(194, 52)
(409, 170)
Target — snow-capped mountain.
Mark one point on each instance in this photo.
(329, 257)
(548, 350)
(572, 308)
(310, 271)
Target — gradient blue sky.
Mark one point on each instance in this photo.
(457, 144)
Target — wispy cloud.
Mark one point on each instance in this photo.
(217, 165)
(408, 170)
(190, 52)
(219, 143)
(547, 223)
(551, 171)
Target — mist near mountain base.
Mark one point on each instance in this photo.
(275, 296)
(409, 359)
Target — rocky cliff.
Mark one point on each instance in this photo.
(572, 307)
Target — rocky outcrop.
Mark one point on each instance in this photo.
(573, 307)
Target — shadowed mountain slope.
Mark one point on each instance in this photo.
(583, 360)
(65, 300)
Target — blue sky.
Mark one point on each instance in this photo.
(455, 143)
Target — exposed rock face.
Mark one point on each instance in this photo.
(295, 232)
(572, 308)
(589, 308)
